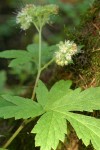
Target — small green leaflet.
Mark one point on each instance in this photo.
(18, 107)
(58, 102)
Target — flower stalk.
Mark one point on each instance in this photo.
(39, 64)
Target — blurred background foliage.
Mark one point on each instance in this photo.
(78, 20)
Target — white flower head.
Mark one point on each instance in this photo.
(37, 15)
(66, 50)
(28, 19)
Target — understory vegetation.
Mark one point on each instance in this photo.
(50, 75)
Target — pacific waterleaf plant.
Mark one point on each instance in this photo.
(57, 106)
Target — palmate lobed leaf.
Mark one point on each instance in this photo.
(59, 101)
(18, 107)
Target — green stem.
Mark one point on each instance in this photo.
(39, 65)
(36, 82)
(40, 49)
(36, 26)
(16, 132)
(46, 65)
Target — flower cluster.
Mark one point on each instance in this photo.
(66, 50)
(38, 15)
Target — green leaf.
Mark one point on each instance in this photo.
(50, 97)
(58, 91)
(87, 128)
(20, 61)
(60, 100)
(4, 103)
(47, 52)
(2, 80)
(33, 50)
(87, 100)
(14, 54)
(20, 108)
(50, 128)
(42, 98)
(19, 57)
